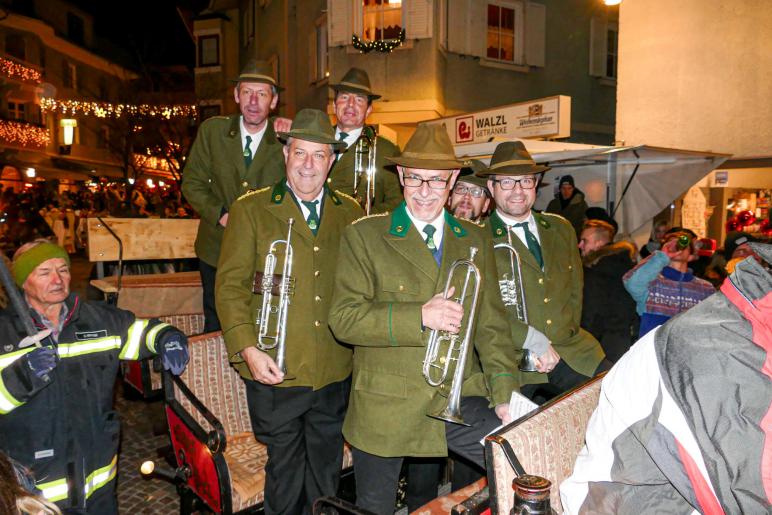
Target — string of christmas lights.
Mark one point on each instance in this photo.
(106, 109)
(16, 70)
(24, 134)
(381, 45)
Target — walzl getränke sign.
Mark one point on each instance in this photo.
(542, 118)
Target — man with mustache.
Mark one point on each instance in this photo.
(56, 387)
(470, 198)
(353, 104)
(231, 155)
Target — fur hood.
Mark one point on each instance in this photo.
(593, 257)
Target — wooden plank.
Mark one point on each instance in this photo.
(155, 295)
(143, 238)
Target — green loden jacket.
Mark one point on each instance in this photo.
(215, 175)
(385, 275)
(388, 193)
(313, 357)
(553, 295)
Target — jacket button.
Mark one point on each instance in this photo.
(442, 360)
(541, 280)
(318, 298)
(317, 323)
(316, 249)
(245, 184)
(316, 273)
(570, 267)
(329, 180)
(401, 287)
(546, 300)
(549, 322)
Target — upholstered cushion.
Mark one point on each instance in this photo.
(546, 444)
(215, 383)
(246, 459)
(446, 503)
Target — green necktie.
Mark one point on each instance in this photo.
(430, 230)
(533, 243)
(248, 152)
(313, 216)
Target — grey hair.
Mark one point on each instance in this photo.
(290, 138)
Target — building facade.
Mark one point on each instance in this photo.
(457, 56)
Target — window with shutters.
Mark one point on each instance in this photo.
(381, 19)
(17, 111)
(504, 33)
(208, 109)
(318, 55)
(612, 41)
(69, 75)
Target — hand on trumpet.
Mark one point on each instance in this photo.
(442, 314)
(262, 367)
(538, 342)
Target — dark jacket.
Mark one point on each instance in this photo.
(65, 430)
(574, 210)
(609, 311)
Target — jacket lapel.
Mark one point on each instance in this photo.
(500, 229)
(404, 239)
(234, 150)
(283, 207)
(264, 150)
(547, 241)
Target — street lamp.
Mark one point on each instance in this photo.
(68, 133)
(30, 173)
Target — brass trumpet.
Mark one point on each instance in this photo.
(365, 167)
(513, 294)
(458, 349)
(269, 284)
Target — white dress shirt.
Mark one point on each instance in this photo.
(256, 138)
(303, 207)
(352, 137)
(438, 223)
(510, 222)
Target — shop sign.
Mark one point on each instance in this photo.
(722, 178)
(542, 118)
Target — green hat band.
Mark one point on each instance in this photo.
(29, 260)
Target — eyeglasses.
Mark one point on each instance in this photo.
(474, 191)
(435, 183)
(527, 183)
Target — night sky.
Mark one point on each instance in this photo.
(149, 31)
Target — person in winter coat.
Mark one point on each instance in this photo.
(569, 203)
(56, 386)
(608, 311)
(682, 424)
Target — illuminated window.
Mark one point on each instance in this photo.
(501, 31)
(382, 19)
(17, 111)
(209, 50)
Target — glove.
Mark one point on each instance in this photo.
(174, 351)
(536, 341)
(42, 361)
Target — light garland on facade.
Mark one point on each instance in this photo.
(106, 109)
(24, 134)
(19, 71)
(382, 45)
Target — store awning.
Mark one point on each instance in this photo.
(635, 182)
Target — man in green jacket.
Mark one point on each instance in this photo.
(388, 298)
(353, 104)
(231, 155)
(552, 272)
(297, 416)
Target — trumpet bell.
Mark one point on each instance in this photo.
(448, 415)
(527, 362)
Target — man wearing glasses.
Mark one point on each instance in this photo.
(470, 198)
(388, 297)
(552, 272)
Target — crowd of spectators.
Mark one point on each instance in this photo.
(45, 210)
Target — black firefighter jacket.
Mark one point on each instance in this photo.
(65, 430)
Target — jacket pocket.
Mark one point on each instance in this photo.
(393, 284)
(381, 383)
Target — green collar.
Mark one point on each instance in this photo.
(499, 228)
(280, 190)
(400, 222)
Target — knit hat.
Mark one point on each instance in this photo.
(735, 239)
(567, 179)
(29, 260)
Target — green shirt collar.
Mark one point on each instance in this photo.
(499, 228)
(400, 222)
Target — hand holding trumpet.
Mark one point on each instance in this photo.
(442, 314)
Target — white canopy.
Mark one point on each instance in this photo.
(633, 183)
